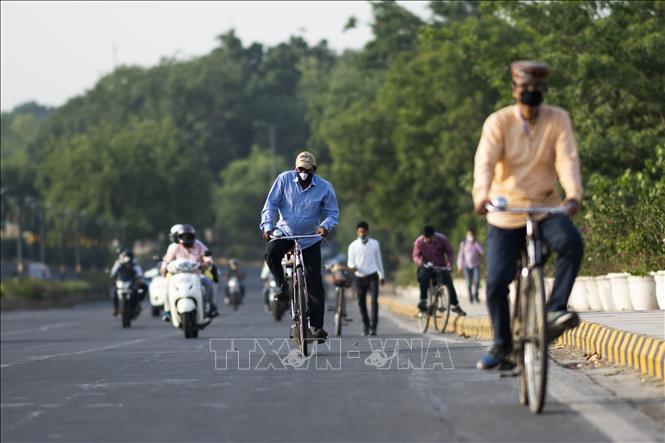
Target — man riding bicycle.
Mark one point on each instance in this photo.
(434, 249)
(523, 150)
(306, 203)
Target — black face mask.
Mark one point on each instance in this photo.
(531, 98)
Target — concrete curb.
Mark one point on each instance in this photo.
(637, 351)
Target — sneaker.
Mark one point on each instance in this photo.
(166, 316)
(422, 306)
(280, 293)
(559, 322)
(457, 310)
(320, 335)
(227, 300)
(213, 310)
(365, 330)
(115, 312)
(372, 332)
(496, 357)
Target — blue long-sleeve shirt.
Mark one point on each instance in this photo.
(300, 210)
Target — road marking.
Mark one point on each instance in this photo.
(83, 351)
(27, 418)
(587, 399)
(40, 329)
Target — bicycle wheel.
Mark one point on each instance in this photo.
(518, 341)
(338, 310)
(302, 314)
(424, 316)
(534, 316)
(441, 309)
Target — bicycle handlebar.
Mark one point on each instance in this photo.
(438, 268)
(500, 204)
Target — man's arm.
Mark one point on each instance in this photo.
(351, 257)
(567, 162)
(329, 210)
(168, 257)
(270, 209)
(460, 257)
(379, 261)
(416, 255)
(487, 155)
(114, 269)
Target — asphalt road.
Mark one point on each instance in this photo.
(76, 375)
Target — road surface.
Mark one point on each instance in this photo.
(76, 375)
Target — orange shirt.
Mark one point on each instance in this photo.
(522, 162)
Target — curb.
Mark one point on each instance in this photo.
(641, 352)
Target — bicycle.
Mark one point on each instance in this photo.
(299, 295)
(529, 313)
(438, 306)
(342, 279)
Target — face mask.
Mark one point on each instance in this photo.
(363, 238)
(303, 176)
(531, 98)
(469, 238)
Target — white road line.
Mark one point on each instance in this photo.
(27, 418)
(583, 396)
(40, 329)
(83, 351)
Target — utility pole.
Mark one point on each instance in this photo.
(273, 149)
(19, 238)
(42, 235)
(77, 246)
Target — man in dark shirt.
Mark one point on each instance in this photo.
(434, 249)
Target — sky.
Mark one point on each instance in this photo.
(52, 51)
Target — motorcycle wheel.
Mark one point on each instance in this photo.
(126, 314)
(189, 325)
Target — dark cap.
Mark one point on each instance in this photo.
(529, 71)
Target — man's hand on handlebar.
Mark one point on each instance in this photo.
(321, 231)
(266, 235)
(481, 209)
(571, 207)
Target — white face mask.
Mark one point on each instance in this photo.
(303, 176)
(469, 238)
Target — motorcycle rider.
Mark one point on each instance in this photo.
(188, 247)
(234, 271)
(126, 262)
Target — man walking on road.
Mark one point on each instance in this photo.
(306, 204)
(364, 257)
(468, 261)
(434, 249)
(523, 150)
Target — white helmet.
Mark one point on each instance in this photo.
(173, 233)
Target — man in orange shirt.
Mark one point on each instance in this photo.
(524, 150)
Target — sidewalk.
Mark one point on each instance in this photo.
(635, 339)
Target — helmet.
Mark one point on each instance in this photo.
(126, 255)
(233, 264)
(173, 232)
(186, 235)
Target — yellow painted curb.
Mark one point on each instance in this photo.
(638, 351)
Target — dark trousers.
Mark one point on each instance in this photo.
(426, 275)
(363, 284)
(312, 258)
(472, 277)
(504, 247)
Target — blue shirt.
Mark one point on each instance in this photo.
(300, 210)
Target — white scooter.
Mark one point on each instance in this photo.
(157, 290)
(185, 297)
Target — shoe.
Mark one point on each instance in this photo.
(213, 311)
(280, 293)
(559, 322)
(457, 310)
(320, 335)
(496, 357)
(422, 306)
(372, 332)
(227, 300)
(115, 312)
(166, 316)
(365, 330)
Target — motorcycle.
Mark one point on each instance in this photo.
(157, 289)
(126, 293)
(233, 291)
(185, 297)
(276, 308)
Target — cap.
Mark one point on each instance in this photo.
(529, 71)
(306, 160)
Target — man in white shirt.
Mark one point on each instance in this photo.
(364, 258)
